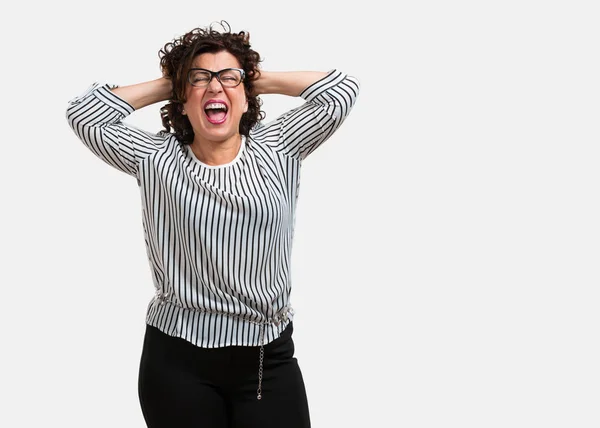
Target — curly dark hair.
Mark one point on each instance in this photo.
(176, 59)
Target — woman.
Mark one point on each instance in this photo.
(219, 191)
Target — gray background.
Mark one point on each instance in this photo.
(456, 211)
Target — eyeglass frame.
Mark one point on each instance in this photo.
(217, 75)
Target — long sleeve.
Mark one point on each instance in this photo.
(96, 118)
(300, 131)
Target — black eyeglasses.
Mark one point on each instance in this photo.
(228, 77)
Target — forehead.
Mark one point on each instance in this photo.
(216, 61)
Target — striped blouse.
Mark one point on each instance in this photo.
(218, 238)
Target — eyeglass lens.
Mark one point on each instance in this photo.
(228, 78)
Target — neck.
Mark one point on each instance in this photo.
(217, 152)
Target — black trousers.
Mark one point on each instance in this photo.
(184, 386)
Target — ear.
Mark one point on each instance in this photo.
(246, 106)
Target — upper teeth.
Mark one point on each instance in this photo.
(216, 106)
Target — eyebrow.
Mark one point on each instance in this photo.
(204, 68)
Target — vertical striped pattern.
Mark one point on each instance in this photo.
(218, 238)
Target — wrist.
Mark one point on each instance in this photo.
(164, 88)
(261, 83)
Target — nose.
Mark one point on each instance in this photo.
(214, 85)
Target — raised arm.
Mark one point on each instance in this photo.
(290, 83)
(329, 98)
(144, 94)
(96, 116)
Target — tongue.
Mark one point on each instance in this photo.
(216, 115)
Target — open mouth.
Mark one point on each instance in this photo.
(216, 111)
